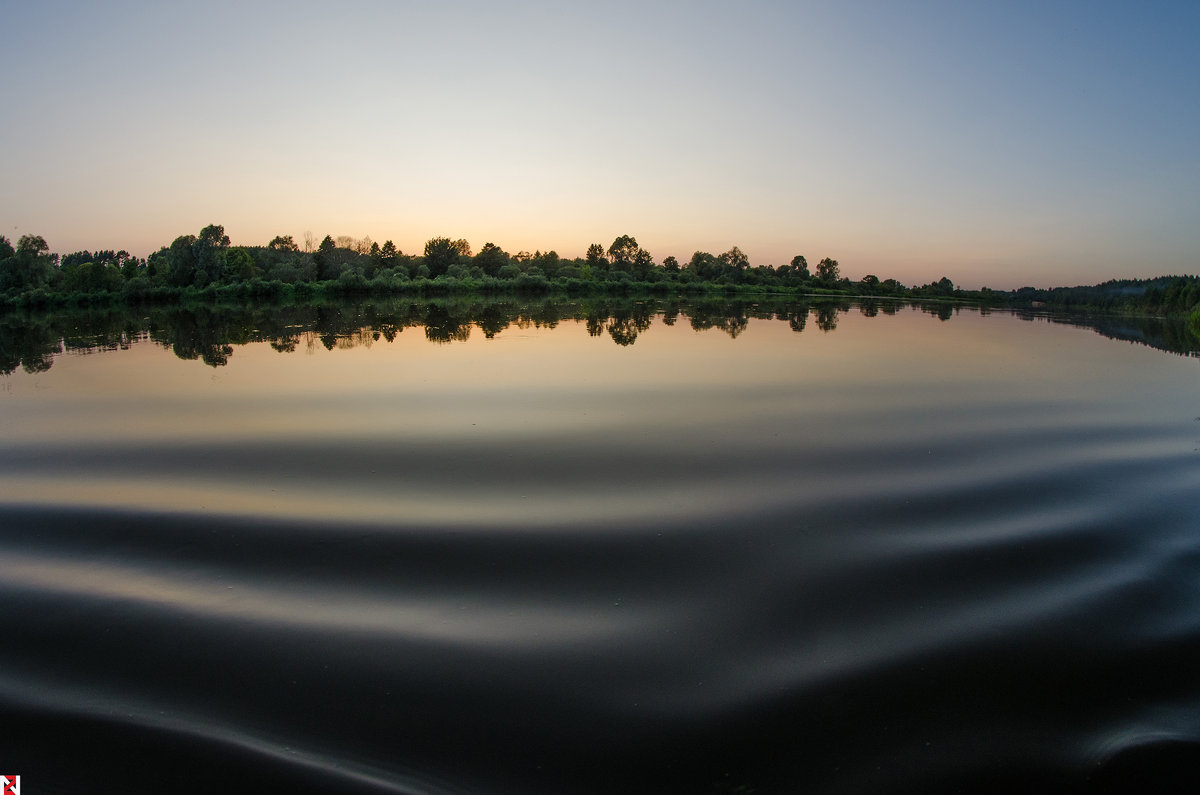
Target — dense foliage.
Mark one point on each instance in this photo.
(207, 265)
(1164, 295)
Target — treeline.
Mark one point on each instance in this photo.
(208, 264)
(1164, 295)
(209, 267)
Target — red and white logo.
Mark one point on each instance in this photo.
(12, 785)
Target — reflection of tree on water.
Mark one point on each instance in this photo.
(210, 333)
(728, 316)
(30, 347)
(827, 318)
(625, 324)
(541, 315)
(595, 324)
(492, 320)
(286, 344)
(1165, 334)
(442, 327)
(200, 334)
(797, 319)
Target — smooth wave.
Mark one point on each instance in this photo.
(659, 587)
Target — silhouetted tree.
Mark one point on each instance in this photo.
(735, 259)
(181, 260)
(325, 258)
(210, 249)
(800, 266)
(440, 254)
(827, 270)
(622, 253)
(490, 259)
(643, 262)
(595, 256)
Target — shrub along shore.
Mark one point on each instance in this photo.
(206, 267)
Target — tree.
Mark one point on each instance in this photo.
(283, 243)
(213, 236)
(181, 261)
(131, 268)
(547, 262)
(239, 266)
(736, 259)
(827, 270)
(622, 252)
(706, 266)
(30, 265)
(210, 249)
(671, 264)
(595, 256)
(800, 266)
(325, 259)
(440, 254)
(388, 254)
(643, 262)
(158, 265)
(32, 245)
(490, 259)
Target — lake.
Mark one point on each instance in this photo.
(602, 546)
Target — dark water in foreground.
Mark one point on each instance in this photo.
(841, 551)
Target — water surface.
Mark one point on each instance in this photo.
(600, 548)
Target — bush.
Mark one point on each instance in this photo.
(532, 282)
(264, 289)
(304, 290)
(351, 281)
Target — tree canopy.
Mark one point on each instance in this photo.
(209, 263)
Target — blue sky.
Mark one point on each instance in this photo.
(998, 144)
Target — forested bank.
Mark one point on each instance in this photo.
(207, 267)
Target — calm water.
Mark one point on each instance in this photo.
(506, 548)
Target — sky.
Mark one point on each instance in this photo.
(999, 144)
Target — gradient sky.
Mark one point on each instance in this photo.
(1000, 144)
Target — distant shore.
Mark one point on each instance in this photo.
(207, 268)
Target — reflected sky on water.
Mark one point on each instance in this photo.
(829, 549)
